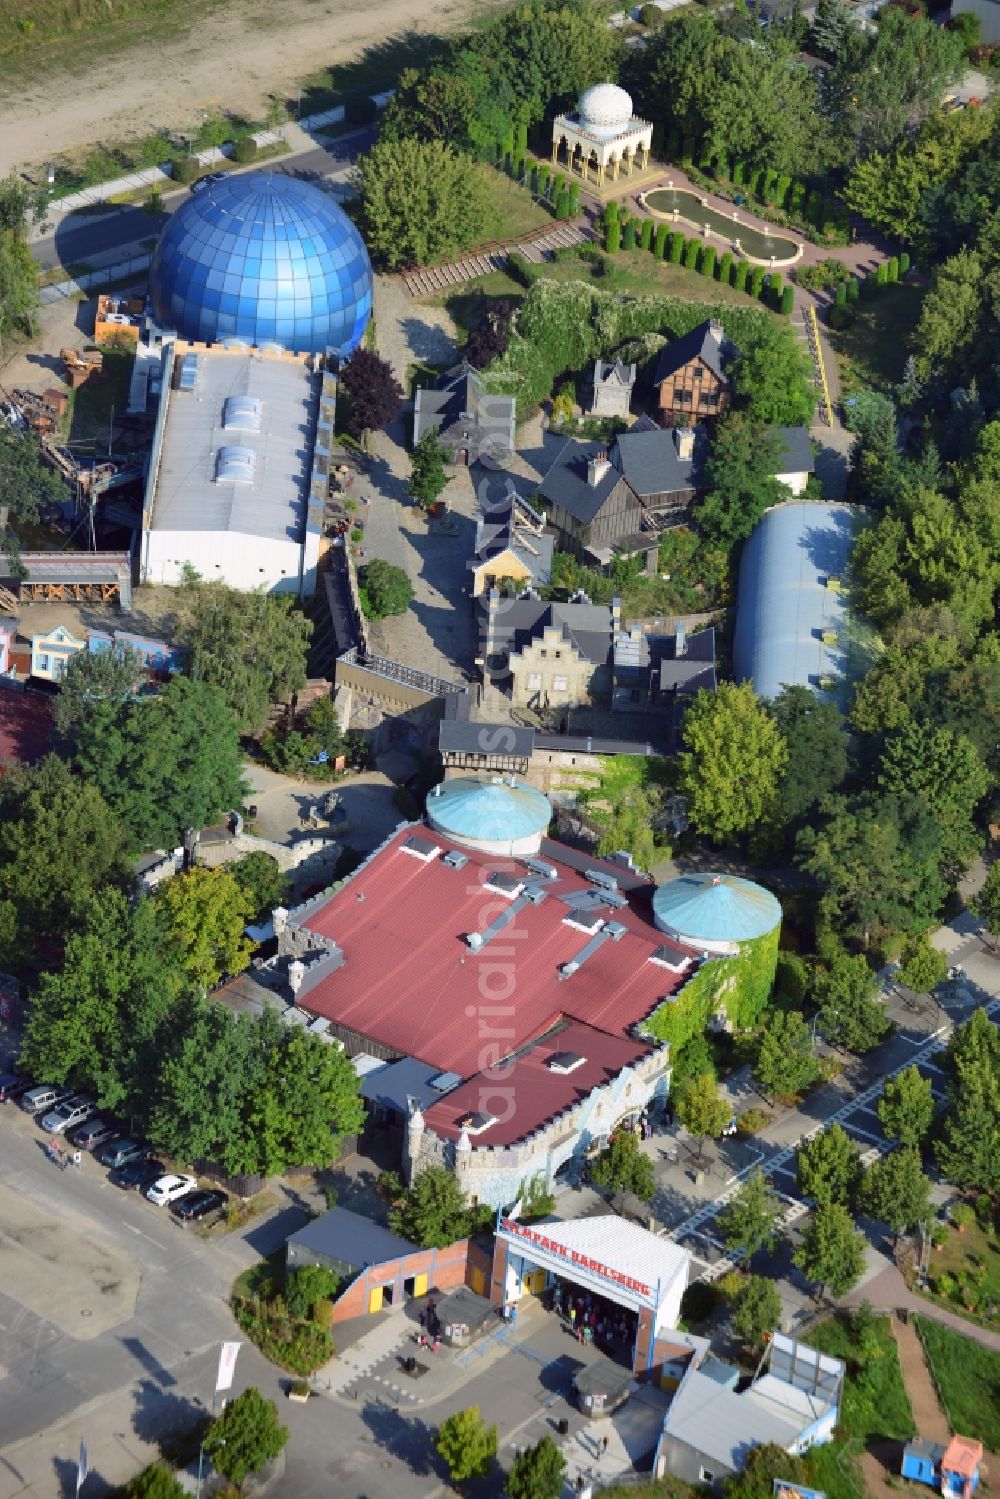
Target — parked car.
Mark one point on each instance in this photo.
(64, 1116)
(195, 1207)
(167, 1189)
(137, 1175)
(14, 1086)
(120, 1152)
(96, 1132)
(45, 1096)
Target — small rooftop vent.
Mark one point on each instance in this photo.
(188, 372)
(454, 859)
(420, 848)
(535, 894)
(443, 1082)
(507, 885)
(666, 957)
(616, 931)
(541, 869)
(242, 413)
(475, 1124)
(602, 880)
(585, 921)
(235, 465)
(565, 1061)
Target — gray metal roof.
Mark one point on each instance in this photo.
(343, 1235)
(455, 737)
(785, 604)
(797, 456)
(707, 342)
(265, 497)
(399, 1083)
(718, 1423)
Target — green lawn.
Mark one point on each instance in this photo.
(874, 351)
(875, 1401)
(968, 1380)
(514, 207)
(965, 1271)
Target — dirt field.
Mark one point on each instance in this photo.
(66, 96)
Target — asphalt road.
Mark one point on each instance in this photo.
(80, 237)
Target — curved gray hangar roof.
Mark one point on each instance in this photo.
(792, 616)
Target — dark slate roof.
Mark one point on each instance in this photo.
(706, 342)
(587, 626)
(497, 531)
(485, 739)
(637, 660)
(397, 1083)
(343, 1235)
(458, 393)
(647, 456)
(797, 455)
(566, 484)
(606, 372)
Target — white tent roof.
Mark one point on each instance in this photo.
(622, 1247)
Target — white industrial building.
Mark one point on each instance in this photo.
(235, 490)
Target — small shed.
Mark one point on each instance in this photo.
(464, 1316)
(920, 1461)
(960, 1467)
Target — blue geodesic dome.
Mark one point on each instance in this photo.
(266, 258)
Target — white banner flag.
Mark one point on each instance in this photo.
(82, 1467)
(227, 1366)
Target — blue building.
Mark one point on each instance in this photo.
(263, 258)
(792, 620)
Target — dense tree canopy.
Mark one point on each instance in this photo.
(896, 1191)
(372, 390)
(247, 1435)
(252, 646)
(815, 735)
(92, 677)
(25, 481)
(827, 1167)
(622, 1167)
(420, 202)
(906, 1107)
(785, 1064)
(850, 1011)
(204, 913)
(748, 1222)
(831, 1252)
(163, 763)
(740, 482)
(732, 763)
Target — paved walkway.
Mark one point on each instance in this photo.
(889, 1289)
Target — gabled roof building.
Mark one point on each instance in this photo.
(467, 418)
(546, 654)
(512, 544)
(692, 374)
(611, 389)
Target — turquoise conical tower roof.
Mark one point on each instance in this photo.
(716, 908)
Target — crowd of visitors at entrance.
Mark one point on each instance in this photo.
(591, 1319)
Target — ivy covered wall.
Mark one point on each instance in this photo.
(740, 985)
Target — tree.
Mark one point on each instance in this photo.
(59, 844)
(205, 911)
(434, 1212)
(947, 773)
(785, 1065)
(748, 1222)
(740, 482)
(306, 1103)
(307, 1284)
(622, 1167)
(756, 1310)
(154, 1482)
(488, 339)
(163, 763)
(815, 735)
(850, 1014)
(701, 1109)
(921, 966)
(466, 1444)
(692, 1059)
(252, 646)
(247, 1435)
(733, 760)
(830, 26)
(827, 1167)
(385, 589)
(906, 1107)
(832, 1252)
(968, 1151)
(373, 392)
(975, 1043)
(896, 1191)
(427, 471)
(877, 860)
(772, 378)
(986, 905)
(420, 201)
(763, 1465)
(97, 1020)
(109, 677)
(884, 84)
(538, 1472)
(430, 106)
(262, 882)
(25, 482)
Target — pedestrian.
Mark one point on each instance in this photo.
(78, 1160)
(572, 1315)
(604, 1444)
(53, 1148)
(422, 1317)
(63, 1159)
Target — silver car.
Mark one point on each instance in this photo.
(74, 1111)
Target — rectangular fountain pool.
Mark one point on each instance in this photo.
(693, 211)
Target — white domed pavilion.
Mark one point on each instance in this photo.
(602, 139)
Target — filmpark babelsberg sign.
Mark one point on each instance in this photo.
(573, 1257)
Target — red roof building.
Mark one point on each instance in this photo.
(25, 726)
(525, 981)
